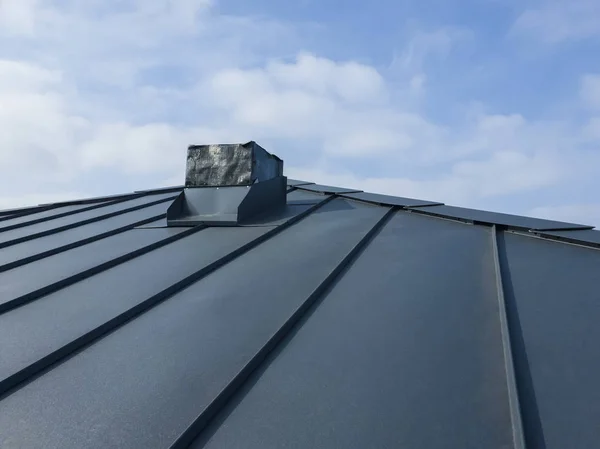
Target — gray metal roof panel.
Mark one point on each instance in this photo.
(45, 214)
(514, 221)
(79, 235)
(552, 301)
(389, 200)
(43, 275)
(578, 236)
(88, 304)
(326, 189)
(238, 336)
(173, 344)
(17, 211)
(79, 219)
(304, 197)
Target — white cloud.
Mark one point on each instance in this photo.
(37, 131)
(496, 155)
(426, 45)
(93, 109)
(349, 81)
(464, 183)
(557, 21)
(17, 17)
(590, 90)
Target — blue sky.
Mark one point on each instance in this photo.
(493, 104)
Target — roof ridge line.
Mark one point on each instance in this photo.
(420, 211)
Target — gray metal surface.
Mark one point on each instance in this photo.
(71, 236)
(327, 189)
(18, 211)
(580, 236)
(508, 346)
(189, 346)
(157, 224)
(413, 360)
(78, 219)
(296, 182)
(195, 205)
(43, 215)
(302, 197)
(388, 200)
(230, 205)
(279, 216)
(80, 308)
(324, 324)
(513, 221)
(43, 273)
(554, 308)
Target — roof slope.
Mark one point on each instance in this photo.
(348, 320)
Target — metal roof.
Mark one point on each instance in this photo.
(347, 320)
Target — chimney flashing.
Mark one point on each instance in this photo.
(228, 184)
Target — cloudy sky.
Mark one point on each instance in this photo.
(493, 104)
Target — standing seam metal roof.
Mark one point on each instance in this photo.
(349, 319)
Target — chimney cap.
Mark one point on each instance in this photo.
(230, 165)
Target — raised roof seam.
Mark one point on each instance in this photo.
(513, 394)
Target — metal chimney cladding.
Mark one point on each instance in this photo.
(228, 184)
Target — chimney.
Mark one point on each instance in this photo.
(227, 185)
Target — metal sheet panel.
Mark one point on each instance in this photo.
(41, 215)
(22, 210)
(297, 202)
(76, 218)
(278, 217)
(388, 200)
(553, 312)
(43, 326)
(49, 242)
(404, 352)
(514, 221)
(28, 278)
(162, 223)
(327, 189)
(142, 385)
(583, 236)
(302, 197)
